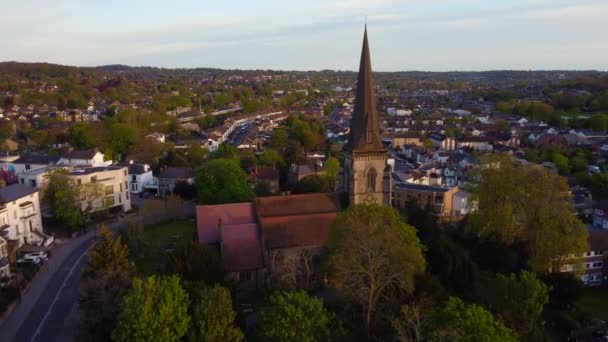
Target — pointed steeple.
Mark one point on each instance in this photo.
(364, 131)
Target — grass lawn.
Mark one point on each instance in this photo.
(594, 302)
(159, 240)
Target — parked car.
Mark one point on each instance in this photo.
(41, 255)
(29, 260)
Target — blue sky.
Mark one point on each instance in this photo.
(435, 35)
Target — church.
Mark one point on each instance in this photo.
(366, 176)
(276, 241)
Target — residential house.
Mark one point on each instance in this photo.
(33, 161)
(442, 141)
(20, 218)
(170, 176)
(141, 178)
(590, 267)
(405, 139)
(477, 143)
(91, 158)
(438, 198)
(266, 174)
(5, 269)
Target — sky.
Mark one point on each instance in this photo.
(424, 35)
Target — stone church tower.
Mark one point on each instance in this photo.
(366, 177)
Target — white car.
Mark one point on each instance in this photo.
(41, 255)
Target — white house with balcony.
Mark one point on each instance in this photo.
(20, 218)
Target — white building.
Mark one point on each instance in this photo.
(113, 183)
(141, 178)
(32, 161)
(20, 220)
(92, 158)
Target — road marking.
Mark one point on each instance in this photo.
(48, 312)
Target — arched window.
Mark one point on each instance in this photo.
(371, 179)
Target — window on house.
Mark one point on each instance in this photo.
(120, 187)
(119, 198)
(125, 172)
(33, 183)
(371, 179)
(134, 178)
(28, 166)
(127, 193)
(93, 179)
(126, 185)
(22, 180)
(109, 189)
(79, 181)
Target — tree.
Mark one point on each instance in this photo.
(213, 318)
(457, 321)
(528, 205)
(295, 317)
(196, 262)
(101, 297)
(262, 188)
(519, 300)
(222, 181)
(109, 255)
(61, 195)
(312, 184)
(122, 136)
(155, 309)
(80, 136)
(373, 255)
(271, 157)
(132, 236)
(279, 139)
(332, 169)
(599, 122)
(561, 162)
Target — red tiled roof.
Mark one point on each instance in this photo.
(207, 217)
(296, 204)
(241, 243)
(297, 230)
(242, 247)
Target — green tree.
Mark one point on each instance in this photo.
(312, 184)
(457, 321)
(196, 262)
(80, 136)
(213, 318)
(271, 157)
(528, 205)
(599, 122)
(373, 256)
(222, 181)
(279, 139)
(332, 170)
(122, 136)
(295, 317)
(519, 300)
(62, 196)
(262, 188)
(155, 309)
(109, 255)
(561, 162)
(101, 297)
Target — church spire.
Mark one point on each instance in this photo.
(364, 131)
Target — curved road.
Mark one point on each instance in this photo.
(46, 320)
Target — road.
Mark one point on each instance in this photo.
(45, 322)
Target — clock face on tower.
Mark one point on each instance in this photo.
(369, 199)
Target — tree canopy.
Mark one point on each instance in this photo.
(155, 309)
(222, 181)
(373, 255)
(195, 262)
(62, 196)
(295, 317)
(213, 318)
(531, 205)
(312, 184)
(457, 321)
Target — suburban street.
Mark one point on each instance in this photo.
(45, 323)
